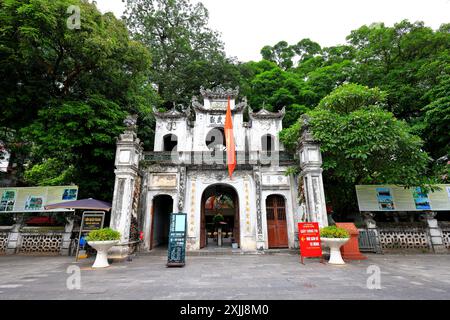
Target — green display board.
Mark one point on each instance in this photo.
(177, 240)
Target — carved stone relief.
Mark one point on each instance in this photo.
(163, 180)
(181, 188)
(257, 178)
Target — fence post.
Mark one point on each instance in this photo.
(371, 225)
(435, 233)
(13, 239)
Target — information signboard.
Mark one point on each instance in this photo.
(309, 238)
(177, 240)
(397, 198)
(34, 199)
(91, 220)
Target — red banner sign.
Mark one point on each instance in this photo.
(309, 237)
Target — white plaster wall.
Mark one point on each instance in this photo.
(260, 128)
(200, 131)
(181, 131)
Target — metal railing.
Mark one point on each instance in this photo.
(368, 241)
(219, 157)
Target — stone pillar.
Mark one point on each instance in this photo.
(435, 232)
(260, 244)
(128, 155)
(13, 239)
(311, 172)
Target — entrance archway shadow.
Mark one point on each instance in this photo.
(161, 209)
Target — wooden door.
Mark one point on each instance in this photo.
(276, 222)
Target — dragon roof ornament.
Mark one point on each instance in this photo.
(171, 114)
(265, 114)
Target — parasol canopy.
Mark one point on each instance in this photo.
(85, 204)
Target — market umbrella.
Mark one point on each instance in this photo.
(84, 204)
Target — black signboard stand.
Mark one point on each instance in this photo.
(177, 240)
(91, 220)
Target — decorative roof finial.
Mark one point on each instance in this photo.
(219, 93)
(131, 122)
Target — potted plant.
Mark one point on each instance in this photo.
(333, 238)
(102, 240)
(218, 218)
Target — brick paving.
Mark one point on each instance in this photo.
(232, 277)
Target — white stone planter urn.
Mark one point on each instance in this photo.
(335, 252)
(102, 247)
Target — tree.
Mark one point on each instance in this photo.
(65, 91)
(391, 58)
(281, 53)
(74, 141)
(436, 119)
(306, 49)
(351, 97)
(41, 58)
(186, 54)
(362, 143)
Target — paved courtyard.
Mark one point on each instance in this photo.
(276, 276)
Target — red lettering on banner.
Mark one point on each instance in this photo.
(309, 238)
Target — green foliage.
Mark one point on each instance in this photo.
(275, 89)
(81, 136)
(52, 172)
(350, 97)
(404, 69)
(289, 136)
(64, 92)
(366, 146)
(186, 54)
(361, 144)
(334, 232)
(369, 146)
(436, 118)
(105, 234)
(293, 113)
(218, 218)
(284, 54)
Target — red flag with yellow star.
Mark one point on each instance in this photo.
(229, 139)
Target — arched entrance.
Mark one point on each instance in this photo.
(161, 209)
(170, 142)
(276, 221)
(219, 199)
(215, 139)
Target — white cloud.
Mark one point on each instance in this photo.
(248, 25)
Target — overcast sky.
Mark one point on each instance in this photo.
(248, 25)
